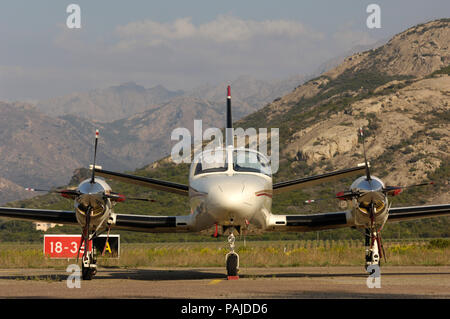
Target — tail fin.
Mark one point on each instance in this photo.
(229, 127)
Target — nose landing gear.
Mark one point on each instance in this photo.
(232, 258)
(89, 265)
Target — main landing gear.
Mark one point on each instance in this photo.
(374, 248)
(89, 259)
(372, 252)
(232, 258)
(373, 243)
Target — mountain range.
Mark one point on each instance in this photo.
(42, 144)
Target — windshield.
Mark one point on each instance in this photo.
(249, 161)
(211, 162)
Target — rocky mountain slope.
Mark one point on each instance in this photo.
(8, 191)
(38, 150)
(109, 104)
(395, 91)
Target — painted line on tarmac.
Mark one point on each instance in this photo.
(215, 281)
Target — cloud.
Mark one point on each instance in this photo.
(178, 54)
(224, 29)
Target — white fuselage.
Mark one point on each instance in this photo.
(230, 196)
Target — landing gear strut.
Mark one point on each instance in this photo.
(372, 249)
(89, 260)
(232, 258)
(373, 243)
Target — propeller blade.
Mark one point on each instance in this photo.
(86, 235)
(142, 199)
(395, 190)
(345, 195)
(29, 189)
(365, 157)
(95, 157)
(121, 198)
(68, 193)
(312, 201)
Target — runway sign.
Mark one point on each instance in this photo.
(66, 246)
(111, 250)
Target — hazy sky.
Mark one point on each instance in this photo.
(183, 44)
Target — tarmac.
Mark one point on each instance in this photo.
(211, 283)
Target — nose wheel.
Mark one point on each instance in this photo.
(88, 271)
(232, 258)
(89, 265)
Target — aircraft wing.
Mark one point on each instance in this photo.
(312, 222)
(144, 223)
(40, 215)
(418, 212)
(155, 184)
(296, 223)
(313, 180)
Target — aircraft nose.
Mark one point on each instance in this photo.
(231, 201)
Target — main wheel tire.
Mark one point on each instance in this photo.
(87, 273)
(232, 264)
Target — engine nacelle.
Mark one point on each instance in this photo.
(93, 199)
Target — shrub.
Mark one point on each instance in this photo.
(439, 243)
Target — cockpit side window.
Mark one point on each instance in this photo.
(212, 162)
(248, 161)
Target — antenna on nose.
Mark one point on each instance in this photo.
(95, 156)
(365, 157)
(229, 127)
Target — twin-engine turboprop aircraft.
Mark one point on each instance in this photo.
(232, 188)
